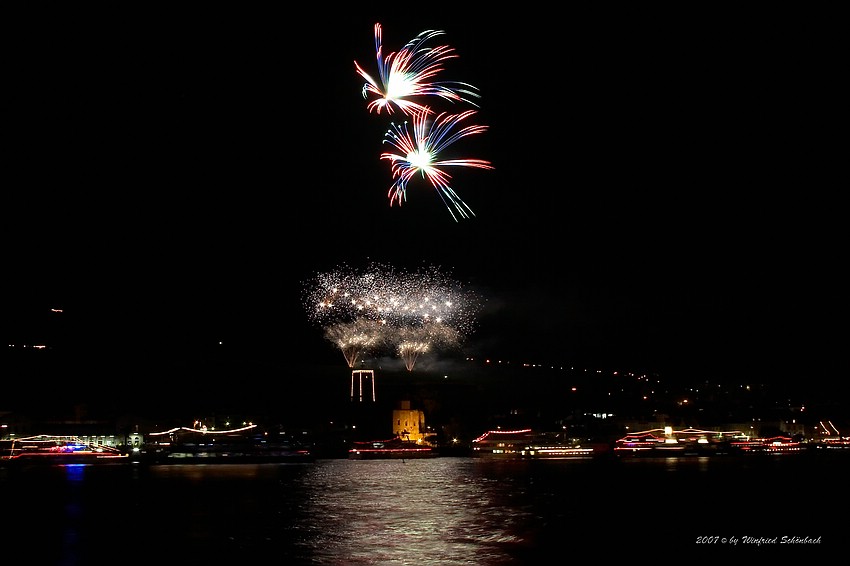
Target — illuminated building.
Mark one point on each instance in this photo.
(408, 423)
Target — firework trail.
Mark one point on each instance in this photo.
(406, 74)
(413, 341)
(355, 338)
(420, 153)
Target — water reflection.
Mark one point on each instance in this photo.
(74, 514)
(446, 511)
(434, 511)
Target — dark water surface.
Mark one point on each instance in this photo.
(435, 511)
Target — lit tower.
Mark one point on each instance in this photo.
(358, 376)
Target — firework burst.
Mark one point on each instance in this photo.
(420, 151)
(407, 74)
(382, 294)
(380, 306)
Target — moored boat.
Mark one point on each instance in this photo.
(499, 443)
(683, 442)
(527, 444)
(58, 449)
(772, 445)
(394, 448)
(833, 444)
(557, 451)
(187, 445)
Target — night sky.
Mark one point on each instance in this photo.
(664, 195)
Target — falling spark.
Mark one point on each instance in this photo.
(355, 338)
(414, 341)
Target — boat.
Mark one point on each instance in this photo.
(503, 444)
(527, 444)
(247, 444)
(772, 445)
(394, 448)
(834, 444)
(668, 441)
(697, 442)
(831, 439)
(558, 452)
(58, 449)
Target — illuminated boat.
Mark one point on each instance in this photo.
(831, 438)
(840, 444)
(772, 445)
(503, 443)
(685, 442)
(58, 449)
(557, 451)
(395, 448)
(529, 445)
(247, 444)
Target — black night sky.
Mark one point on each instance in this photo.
(664, 197)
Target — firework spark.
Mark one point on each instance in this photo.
(355, 338)
(407, 74)
(420, 153)
(382, 294)
(414, 341)
(380, 306)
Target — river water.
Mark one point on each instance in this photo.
(439, 511)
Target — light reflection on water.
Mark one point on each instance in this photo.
(439, 511)
(434, 511)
